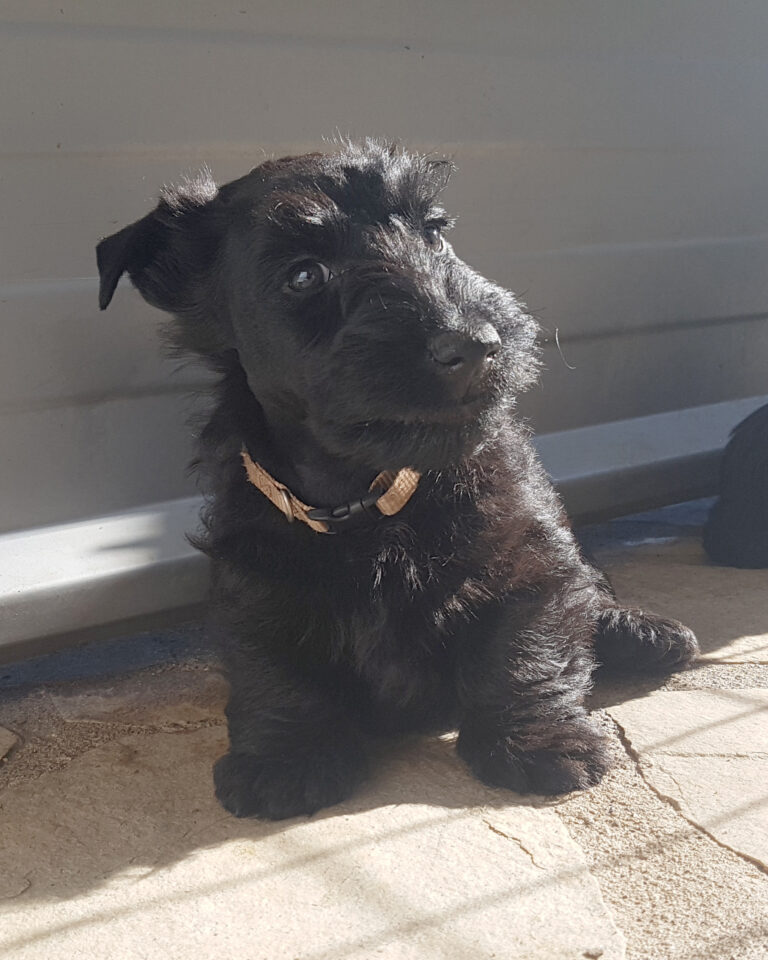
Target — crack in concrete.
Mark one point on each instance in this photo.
(13, 896)
(516, 840)
(673, 802)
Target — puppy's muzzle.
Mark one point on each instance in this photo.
(463, 359)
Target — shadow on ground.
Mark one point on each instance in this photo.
(143, 802)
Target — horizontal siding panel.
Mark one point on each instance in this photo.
(529, 198)
(66, 351)
(649, 372)
(102, 88)
(69, 463)
(614, 290)
(513, 200)
(679, 30)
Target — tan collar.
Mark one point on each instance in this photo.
(397, 489)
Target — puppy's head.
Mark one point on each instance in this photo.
(331, 280)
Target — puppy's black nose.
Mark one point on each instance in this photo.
(464, 357)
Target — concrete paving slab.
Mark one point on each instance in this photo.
(708, 722)
(707, 752)
(726, 796)
(170, 700)
(675, 893)
(124, 853)
(727, 608)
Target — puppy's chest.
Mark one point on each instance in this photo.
(409, 591)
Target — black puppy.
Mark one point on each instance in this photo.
(429, 579)
(736, 532)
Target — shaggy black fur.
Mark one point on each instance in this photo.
(736, 532)
(349, 338)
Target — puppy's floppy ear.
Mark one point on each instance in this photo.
(131, 249)
(166, 252)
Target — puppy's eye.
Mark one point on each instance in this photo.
(308, 275)
(434, 236)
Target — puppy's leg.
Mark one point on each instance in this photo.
(293, 749)
(523, 678)
(631, 640)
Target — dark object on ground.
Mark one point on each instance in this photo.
(736, 533)
(349, 339)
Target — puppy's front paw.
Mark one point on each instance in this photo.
(558, 758)
(279, 787)
(633, 640)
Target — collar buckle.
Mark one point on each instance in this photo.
(350, 511)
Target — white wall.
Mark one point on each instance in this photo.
(612, 157)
